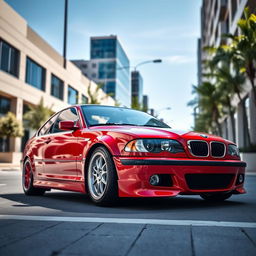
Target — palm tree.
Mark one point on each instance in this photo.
(244, 47)
(37, 115)
(210, 106)
(225, 67)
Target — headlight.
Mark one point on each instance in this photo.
(233, 150)
(154, 146)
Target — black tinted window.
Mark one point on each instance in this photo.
(66, 115)
(46, 128)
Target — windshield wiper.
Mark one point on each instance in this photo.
(113, 124)
(157, 126)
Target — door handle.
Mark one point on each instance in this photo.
(48, 141)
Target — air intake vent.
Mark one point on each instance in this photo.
(199, 148)
(208, 181)
(218, 149)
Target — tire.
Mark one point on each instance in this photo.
(27, 181)
(216, 197)
(101, 179)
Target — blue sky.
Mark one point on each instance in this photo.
(147, 29)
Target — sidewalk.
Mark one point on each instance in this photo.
(9, 167)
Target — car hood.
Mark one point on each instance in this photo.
(154, 132)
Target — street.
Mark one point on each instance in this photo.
(66, 223)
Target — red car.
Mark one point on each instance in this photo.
(111, 152)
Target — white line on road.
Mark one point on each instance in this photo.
(133, 221)
(2, 184)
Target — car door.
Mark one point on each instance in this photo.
(39, 143)
(60, 154)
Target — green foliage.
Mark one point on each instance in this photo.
(94, 95)
(37, 115)
(226, 70)
(10, 126)
(136, 104)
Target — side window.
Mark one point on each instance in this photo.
(46, 128)
(66, 115)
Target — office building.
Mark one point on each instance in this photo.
(109, 67)
(30, 69)
(137, 86)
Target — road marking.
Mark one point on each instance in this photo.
(2, 184)
(133, 221)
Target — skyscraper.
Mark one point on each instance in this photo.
(137, 86)
(108, 66)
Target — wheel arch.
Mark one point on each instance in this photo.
(89, 154)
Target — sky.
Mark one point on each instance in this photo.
(147, 30)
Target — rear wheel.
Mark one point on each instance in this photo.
(27, 180)
(102, 178)
(216, 197)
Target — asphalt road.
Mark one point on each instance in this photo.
(66, 223)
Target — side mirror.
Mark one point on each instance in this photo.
(68, 125)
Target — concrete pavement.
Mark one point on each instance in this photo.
(63, 223)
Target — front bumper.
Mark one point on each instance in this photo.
(134, 175)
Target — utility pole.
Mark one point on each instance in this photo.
(65, 34)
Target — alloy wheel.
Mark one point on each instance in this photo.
(27, 175)
(98, 176)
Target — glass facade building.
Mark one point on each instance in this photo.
(111, 68)
(137, 86)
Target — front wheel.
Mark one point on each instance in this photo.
(216, 197)
(27, 181)
(102, 178)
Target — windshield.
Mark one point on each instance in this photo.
(105, 115)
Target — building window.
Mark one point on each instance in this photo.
(84, 65)
(9, 58)
(57, 86)
(94, 65)
(72, 95)
(84, 99)
(35, 74)
(5, 105)
(93, 75)
(233, 8)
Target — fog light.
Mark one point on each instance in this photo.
(154, 180)
(241, 178)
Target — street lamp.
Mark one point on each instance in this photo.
(148, 61)
(141, 63)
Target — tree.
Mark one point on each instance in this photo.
(94, 95)
(210, 105)
(226, 68)
(37, 115)
(136, 104)
(9, 127)
(244, 47)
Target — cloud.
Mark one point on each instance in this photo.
(179, 59)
